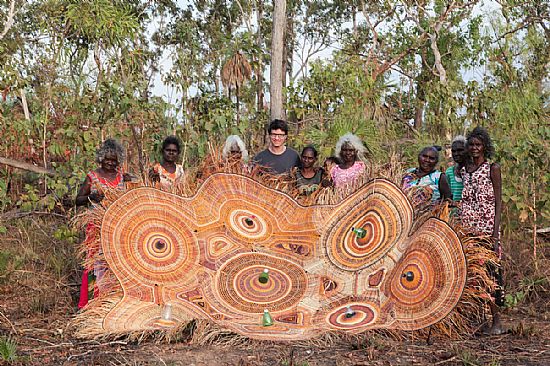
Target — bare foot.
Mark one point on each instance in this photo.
(495, 331)
(496, 327)
(484, 329)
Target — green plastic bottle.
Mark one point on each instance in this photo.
(349, 312)
(264, 276)
(266, 319)
(360, 232)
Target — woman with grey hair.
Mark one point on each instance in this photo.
(110, 157)
(234, 150)
(109, 175)
(351, 152)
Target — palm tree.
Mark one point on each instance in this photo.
(234, 73)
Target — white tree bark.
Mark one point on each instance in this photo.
(9, 20)
(277, 47)
(437, 55)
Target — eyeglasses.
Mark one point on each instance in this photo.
(277, 135)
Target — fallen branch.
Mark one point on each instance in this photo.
(79, 355)
(446, 361)
(17, 214)
(542, 230)
(26, 166)
(9, 322)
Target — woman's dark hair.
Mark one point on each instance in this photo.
(482, 134)
(171, 140)
(278, 124)
(310, 148)
(435, 148)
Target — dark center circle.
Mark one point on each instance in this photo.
(409, 276)
(160, 245)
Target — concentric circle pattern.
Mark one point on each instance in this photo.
(238, 283)
(238, 247)
(382, 225)
(152, 243)
(429, 279)
(248, 224)
(352, 316)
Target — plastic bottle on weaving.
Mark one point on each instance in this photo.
(167, 312)
(264, 276)
(349, 312)
(359, 231)
(266, 319)
(166, 320)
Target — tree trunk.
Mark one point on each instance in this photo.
(421, 84)
(277, 70)
(288, 52)
(259, 68)
(418, 113)
(238, 104)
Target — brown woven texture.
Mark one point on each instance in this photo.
(202, 247)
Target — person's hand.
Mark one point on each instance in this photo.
(128, 177)
(154, 175)
(96, 197)
(325, 183)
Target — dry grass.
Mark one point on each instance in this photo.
(39, 279)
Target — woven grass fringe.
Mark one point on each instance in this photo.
(461, 322)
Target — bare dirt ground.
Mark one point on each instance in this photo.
(39, 283)
(45, 340)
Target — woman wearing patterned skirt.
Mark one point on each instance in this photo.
(109, 175)
(481, 206)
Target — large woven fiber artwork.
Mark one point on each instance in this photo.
(237, 248)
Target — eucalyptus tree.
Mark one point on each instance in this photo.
(277, 50)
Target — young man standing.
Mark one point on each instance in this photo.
(278, 158)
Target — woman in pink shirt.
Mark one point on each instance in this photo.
(351, 152)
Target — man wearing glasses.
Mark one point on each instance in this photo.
(278, 158)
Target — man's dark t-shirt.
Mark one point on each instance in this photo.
(278, 164)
